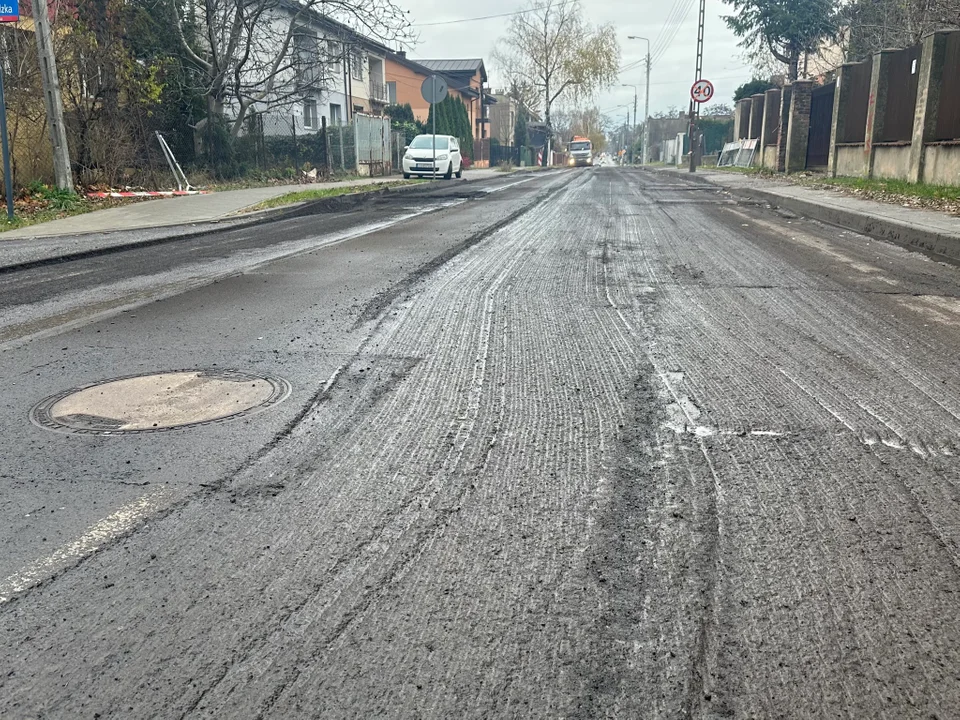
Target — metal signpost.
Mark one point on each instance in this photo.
(434, 90)
(694, 103)
(701, 92)
(9, 12)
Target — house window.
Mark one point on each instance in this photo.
(356, 65)
(336, 115)
(310, 114)
(305, 58)
(333, 57)
(392, 93)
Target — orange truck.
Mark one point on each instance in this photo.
(580, 151)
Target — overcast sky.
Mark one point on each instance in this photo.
(672, 73)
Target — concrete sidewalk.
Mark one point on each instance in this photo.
(153, 221)
(928, 230)
(164, 212)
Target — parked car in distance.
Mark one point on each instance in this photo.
(418, 158)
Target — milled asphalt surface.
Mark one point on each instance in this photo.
(596, 443)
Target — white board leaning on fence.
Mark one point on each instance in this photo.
(739, 153)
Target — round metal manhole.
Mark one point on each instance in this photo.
(157, 402)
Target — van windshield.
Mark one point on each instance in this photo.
(425, 142)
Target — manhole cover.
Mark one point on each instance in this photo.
(163, 401)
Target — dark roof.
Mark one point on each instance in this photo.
(453, 66)
(469, 67)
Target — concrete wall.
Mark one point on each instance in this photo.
(891, 162)
(849, 160)
(941, 165)
(769, 157)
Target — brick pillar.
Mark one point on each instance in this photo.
(798, 133)
(756, 116)
(743, 119)
(786, 97)
(932, 61)
(841, 99)
(876, 108)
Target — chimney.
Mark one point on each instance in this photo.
(402, 54)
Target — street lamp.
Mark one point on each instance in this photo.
(632, 134)
(646, 112)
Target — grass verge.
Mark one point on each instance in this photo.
(899, 188)
(40, 203)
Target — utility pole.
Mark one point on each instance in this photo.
(634, 132)
(646, 110)
(695, 107)
(51, 97)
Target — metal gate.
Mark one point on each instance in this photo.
(373, 140)
(821, 125)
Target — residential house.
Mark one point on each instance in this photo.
(503, 118)
(404, 80)
(334, 73)
(469, 78)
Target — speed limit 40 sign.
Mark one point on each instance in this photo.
(702, 91)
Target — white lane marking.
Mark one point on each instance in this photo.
(488, 191)
(113, 526)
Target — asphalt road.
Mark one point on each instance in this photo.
(584, 444)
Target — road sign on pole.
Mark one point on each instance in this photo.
(434, 90)
(702, 91)
(9, 11)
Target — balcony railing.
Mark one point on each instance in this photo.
(379, 91)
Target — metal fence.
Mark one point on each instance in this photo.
(948, 119)
(903, 78)
(821, 125)
(275, 143)
(772, 129)
(857, 78)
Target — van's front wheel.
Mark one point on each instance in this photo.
(449, 172)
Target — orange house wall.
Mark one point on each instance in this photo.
(408, 88)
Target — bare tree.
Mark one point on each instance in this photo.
(551, 53)
(878, 24)
(265, 51)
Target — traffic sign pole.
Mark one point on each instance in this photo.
(9, 13)
(434, 90)
(5, 142)
(694, 106)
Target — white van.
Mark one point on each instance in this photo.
(419, 159)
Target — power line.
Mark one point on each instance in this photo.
(670, 35)
(674, 18)
(482, 17)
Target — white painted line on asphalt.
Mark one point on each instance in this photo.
(488, 191)
(111, 527)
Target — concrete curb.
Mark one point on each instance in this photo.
(904, 234)
(209, 227)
